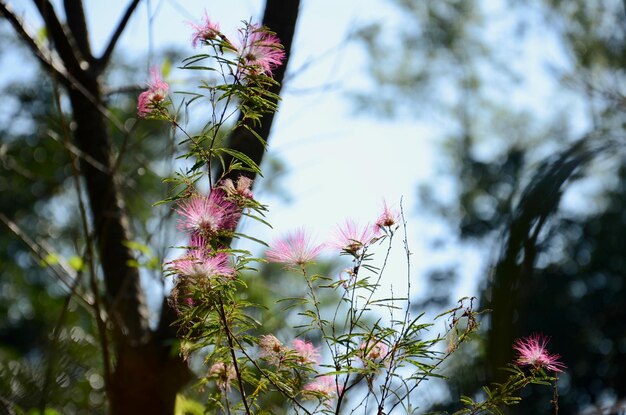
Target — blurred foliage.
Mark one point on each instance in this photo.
(50, 353)
(444, 63)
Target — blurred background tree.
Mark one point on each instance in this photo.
(548, 226)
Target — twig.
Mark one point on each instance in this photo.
(103, 60)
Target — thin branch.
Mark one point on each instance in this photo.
(104, 59)
(66, 274)
(44, 55)
(61, 41)
(40, 54)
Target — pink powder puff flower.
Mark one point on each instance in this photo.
(352, 238)
(272, 349)
(306, 352)
(223, 374)
(532, 352)
(205, 31)
(324, 385)
(373, 350)
(388, 218)
(156, 94)
(197, 264)
(261, 51)
(295, 249)
(207, 216)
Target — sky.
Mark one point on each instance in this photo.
(341, 164)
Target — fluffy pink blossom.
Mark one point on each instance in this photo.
(199, 264)
(207, 216)
(271, 349)
(205, 31)
(532, 352)
(260, 52)
(295, 249)
(306, 352)
(223, 374)
(156, 94)
(352, 238)
(387, 218)
(374, 350)
(324, 385)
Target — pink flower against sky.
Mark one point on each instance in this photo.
(352, 237)
(295, 249)
(324, 385)
(387, 217)
(260, 52)
(307, 353)
(156, 94)
(205, 31)
(207, 216)
(197, 263)
(532, 352)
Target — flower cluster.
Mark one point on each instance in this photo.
(151, 102)
(204, 32)
(532, 352)
(325, 387)
(297, 248)
(206, 219)
(258, 51)
(302, 353)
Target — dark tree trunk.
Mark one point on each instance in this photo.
(147, 373)
(280, 16)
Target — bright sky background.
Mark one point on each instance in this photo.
(341, 164)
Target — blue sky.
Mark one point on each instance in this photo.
(340, 164)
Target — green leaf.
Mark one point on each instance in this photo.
(244, 159)
(187, 406)
(166, 67)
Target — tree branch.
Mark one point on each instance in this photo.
(40, 54)
(61, 42)
(104, 59)
(75, 15)
(281, 17)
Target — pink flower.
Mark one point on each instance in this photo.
(155, 95)
(198, 264)
(532, 352)
(307, 353)
(223, 374)
(374, 350)
(207, 216)
(295, 249)
(324, 385)
(352, 238)
(205, 31)
(261, 51)
(272, 349)
(388, 218)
